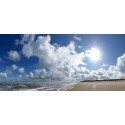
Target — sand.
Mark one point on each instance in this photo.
(118, 85)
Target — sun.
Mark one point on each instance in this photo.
(95, 54)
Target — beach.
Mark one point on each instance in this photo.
(118, 85)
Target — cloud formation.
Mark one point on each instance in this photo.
(21, 70)
(120, 64)
(77, 38)
(50, 55)
(3, 75)
(14, 55)
(64, 62)
(9, 69)
(118, 71)
(57, 59)
(59, 62)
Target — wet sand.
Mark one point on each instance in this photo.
(118, 85)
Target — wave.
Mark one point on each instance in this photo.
(43, 86)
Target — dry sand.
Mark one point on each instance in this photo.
(118, 85)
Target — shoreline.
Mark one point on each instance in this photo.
(100, 85)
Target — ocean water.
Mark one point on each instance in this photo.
(35, 86)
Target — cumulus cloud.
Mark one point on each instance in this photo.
(3, 75)
(120, 64)
(51, 56)
(63, 62)
(112, 69)
(10, 69)
(21, 70)
(118, 70)
(14, 55)
(99, 74)
(39, 73)
(14, 67)
(31, 75)
(26, 38)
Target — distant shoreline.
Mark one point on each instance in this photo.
(103, 80)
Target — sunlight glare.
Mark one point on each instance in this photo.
(95, 54)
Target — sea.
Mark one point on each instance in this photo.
(36, 86)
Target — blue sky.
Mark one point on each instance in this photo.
(14, 50)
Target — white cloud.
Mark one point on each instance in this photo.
(39, 73)
(10, 69)
(61, 61)
(3, 75)
(26, 38)
(14, 67)
(112, 69)
(118, 71)
(120, 64)
(31, 75)
(94, 74)
(27, 50)
(21, 70)
(53, 56)
(14, 55)
(77, 38)
(104, 65)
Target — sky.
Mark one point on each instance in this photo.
(62, 56)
